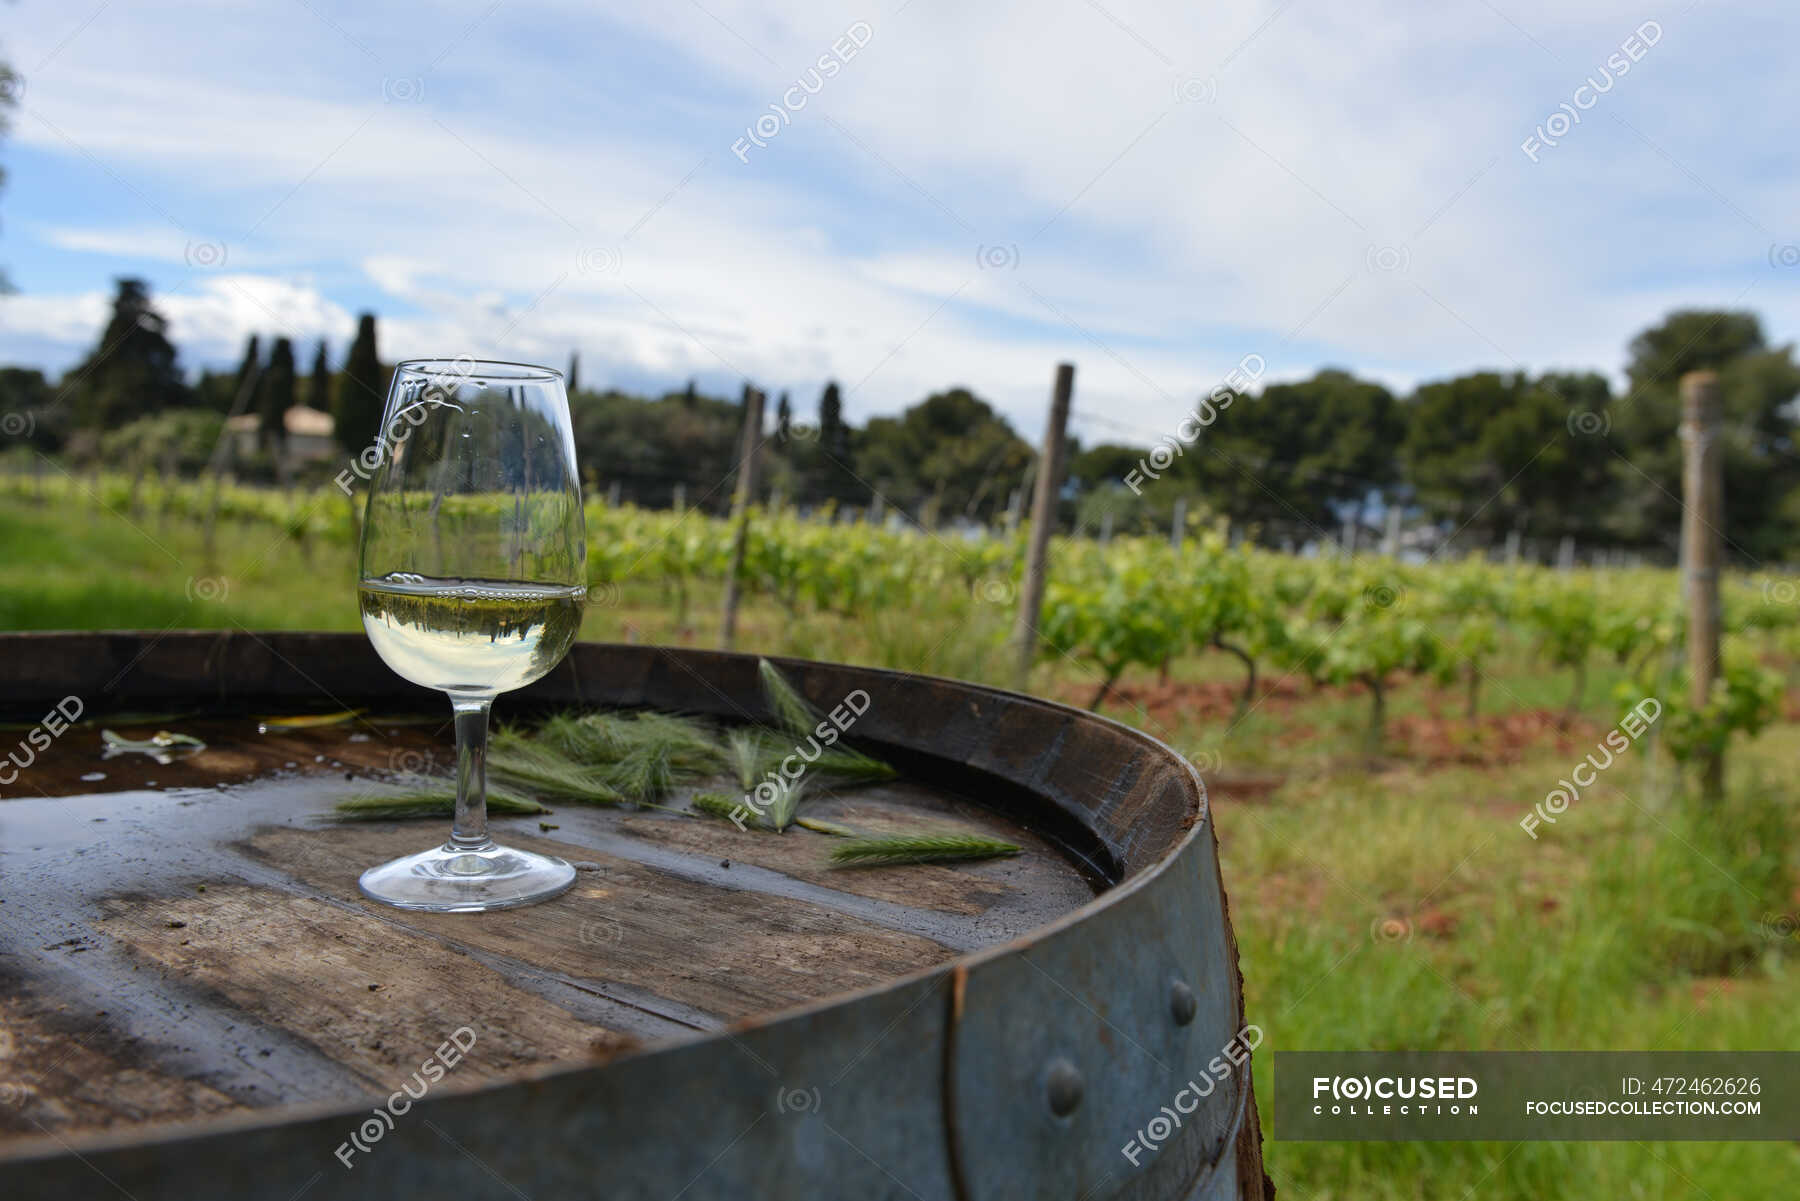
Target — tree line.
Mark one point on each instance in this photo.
(1489, 453)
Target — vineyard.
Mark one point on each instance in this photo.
(1140, 603)
(1381, 900)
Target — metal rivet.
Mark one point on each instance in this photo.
(1182, 1005)
(1064, 1087)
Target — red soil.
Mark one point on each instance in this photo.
(1428, 739)
(1491, 740)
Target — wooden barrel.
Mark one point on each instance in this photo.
(198, 1004)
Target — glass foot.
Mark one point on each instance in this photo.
(453, 879)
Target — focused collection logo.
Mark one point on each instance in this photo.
(1389, 1095)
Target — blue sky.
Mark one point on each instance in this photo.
(1153, 191)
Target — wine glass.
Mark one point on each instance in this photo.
(473, 578)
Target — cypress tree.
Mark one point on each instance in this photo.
(131, 371)
(832, 435)
(318, 385)
(837, 476)
(275, 395)
(246, 367)
(361, 391)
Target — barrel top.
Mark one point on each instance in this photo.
(183, 941)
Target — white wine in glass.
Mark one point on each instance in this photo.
(474, 570)
(442, 632)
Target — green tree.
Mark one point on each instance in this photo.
(652, 446)
(318, 384)
(132, 369)
(574, 380)
(949, 455)
(275, 395)
(1097, 475)
(1291, 461)
(361, 391)
(26, 405)
(1491, 452)
(213, 391)
(180, 439)
(1758, 383)
(834, 473)
(1356, 429)
(248, 367)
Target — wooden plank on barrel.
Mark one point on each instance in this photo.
(368, 995)
(1039, 875)
(62, 1067)
(728, 955)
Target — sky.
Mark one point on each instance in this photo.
(910, 195)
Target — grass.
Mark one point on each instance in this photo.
(1379, 903)
(918, 848)
(89, 568)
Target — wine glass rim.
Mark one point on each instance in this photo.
(486, 368)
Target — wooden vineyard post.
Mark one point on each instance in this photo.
(740, 509)
(1702, 515)
(1178, 523)
(1043, 519)
(216, 462)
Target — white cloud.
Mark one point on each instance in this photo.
(208, 321)
(162, 243)
(1182, 186)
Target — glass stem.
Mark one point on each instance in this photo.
(471, 830)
